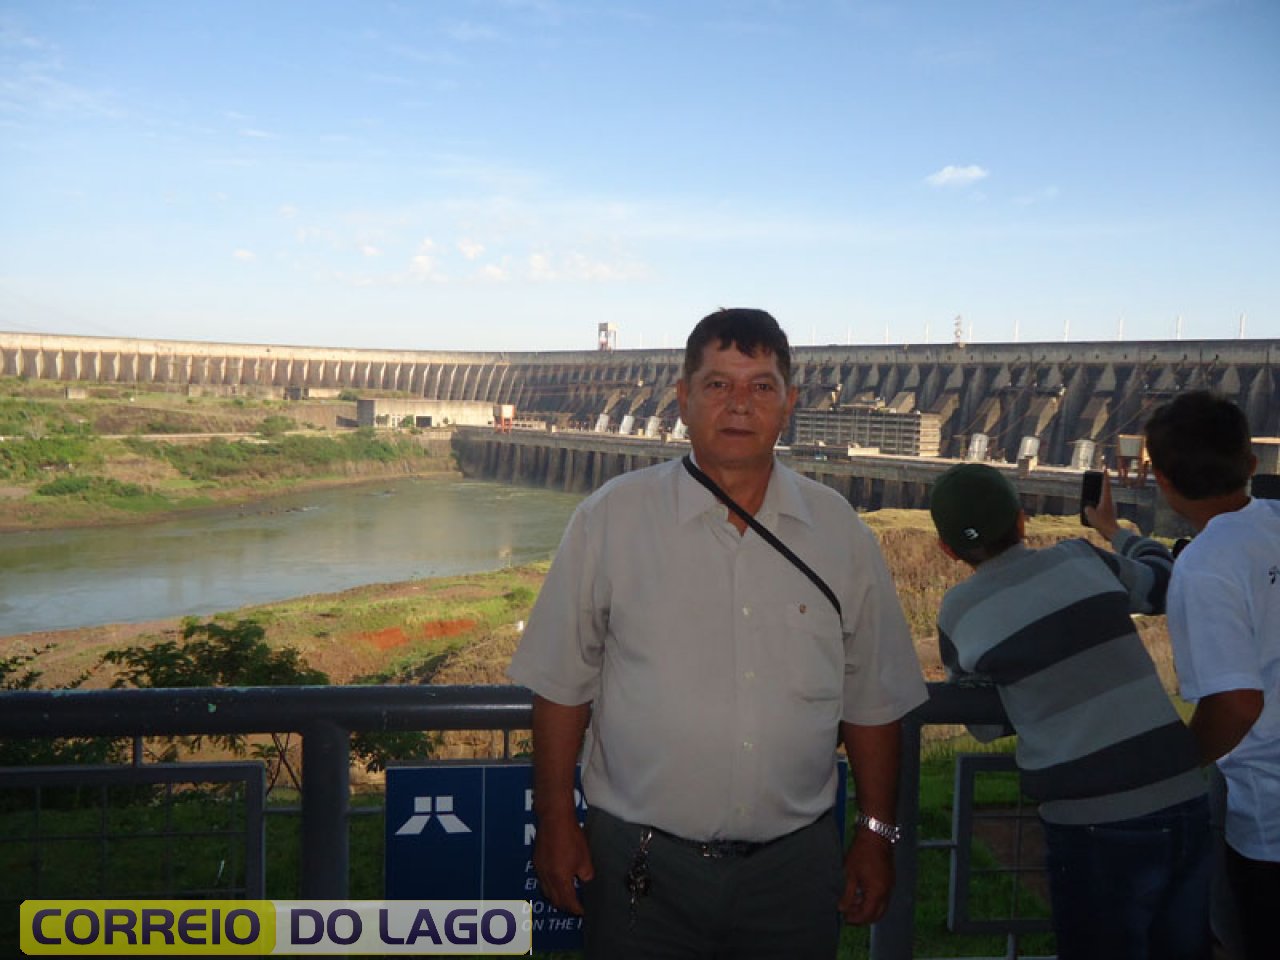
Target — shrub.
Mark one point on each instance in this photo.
(24, 459)
(220, 459)
(88, 487)
(16, 673)
(276, 425)
(213, 654)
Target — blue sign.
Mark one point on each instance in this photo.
(464, 830)
(459, 830)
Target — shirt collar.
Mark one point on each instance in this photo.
(783, 496)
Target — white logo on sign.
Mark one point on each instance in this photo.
(422, 813)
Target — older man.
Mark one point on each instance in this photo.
(713, 676)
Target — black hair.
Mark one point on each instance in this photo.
(751, 331)
(1200, 442)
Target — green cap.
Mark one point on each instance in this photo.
(973, 505)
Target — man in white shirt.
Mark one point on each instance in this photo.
(712, 678)
(1224, 624)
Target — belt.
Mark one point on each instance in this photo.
(717, 849)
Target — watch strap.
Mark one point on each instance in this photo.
(888, 831)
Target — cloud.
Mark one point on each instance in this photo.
(424, 265)
(470, 249)
(540, 268)
(369, 250)
(254, 134)
(576, 267)
(951, 176)
(244, 255)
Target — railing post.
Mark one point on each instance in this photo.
(892, 936)
(326, 784)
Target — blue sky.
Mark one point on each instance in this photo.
(506, 174)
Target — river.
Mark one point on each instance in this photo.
(316, 542)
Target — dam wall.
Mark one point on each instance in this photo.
(582, 462)
(1058, 393)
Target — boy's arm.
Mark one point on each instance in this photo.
(1221, 721)
(1144, 567)
(1141, 564)
(982, 732)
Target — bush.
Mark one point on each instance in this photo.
(276, 425)
(16, 673)
(520, 597)
(219, 459)
(22, 417)
(164, 426)
(91, 488)
(213, 654)
(25, 459)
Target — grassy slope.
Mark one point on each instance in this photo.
(111, 419)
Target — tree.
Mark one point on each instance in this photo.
(213, 654)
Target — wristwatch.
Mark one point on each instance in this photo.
(889, 831)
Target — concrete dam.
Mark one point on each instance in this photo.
(1057, 393)
(582, 461)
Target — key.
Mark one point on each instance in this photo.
(637, 878)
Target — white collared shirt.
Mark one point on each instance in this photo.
(718, 672)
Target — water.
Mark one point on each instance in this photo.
(318, 542)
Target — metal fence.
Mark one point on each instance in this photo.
(325, 717)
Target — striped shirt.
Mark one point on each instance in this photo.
(1098, 738)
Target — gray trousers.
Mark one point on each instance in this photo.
(778, 903)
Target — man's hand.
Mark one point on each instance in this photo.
(868, 865)
(560, 850)
(560, 855)
(868, 878)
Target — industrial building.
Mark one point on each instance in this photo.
(883, 429)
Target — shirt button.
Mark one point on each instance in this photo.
(746, 611)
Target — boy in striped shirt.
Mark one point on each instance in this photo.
(1100, 746)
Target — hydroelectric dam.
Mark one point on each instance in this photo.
(1052, 395)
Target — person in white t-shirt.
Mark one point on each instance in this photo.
(1224, 624)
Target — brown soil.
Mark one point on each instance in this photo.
(388, 638)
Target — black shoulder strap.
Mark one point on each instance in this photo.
(763, 531)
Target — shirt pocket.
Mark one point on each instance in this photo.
(814, 652)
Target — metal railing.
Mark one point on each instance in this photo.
(326, 716)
